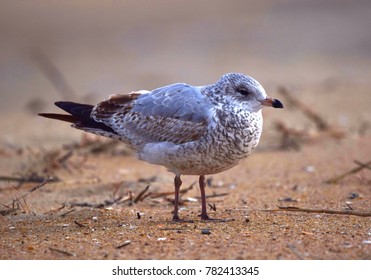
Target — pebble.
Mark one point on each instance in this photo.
(309, 169)
(353, 195)
(206, 231)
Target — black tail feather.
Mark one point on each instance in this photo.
(75, 109)
(60, 117)
(80, 116)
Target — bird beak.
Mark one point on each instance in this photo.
(275, 103)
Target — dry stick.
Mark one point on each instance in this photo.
(79, 224)
(52, 73)
(62, 252)
(101, 205)
(64, 158)
(145, 196)
(97, 147)
(295, 251)
(25, 206)
(364, 165)
(282, 127)
(350, 172)
(212, 206)
(8, 211)
(140, 194)
(126, 243)
(31, 191)
(27, 180)
(68, 212)
(84, 204)
(155, 195)
(56, 210)
(289, 135)
(320, 211)
(177, 228)
(216, 195)
(318, 120)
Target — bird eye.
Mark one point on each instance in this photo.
(243, 91)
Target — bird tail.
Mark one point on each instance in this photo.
(80, 117)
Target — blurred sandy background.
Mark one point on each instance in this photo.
(106, 47)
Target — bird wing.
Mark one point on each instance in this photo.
(175, 113)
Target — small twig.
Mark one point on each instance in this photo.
(145, 196)
(80, 224)
(347, 205)
(350, 172)
(22, 197)
(290, 136)
(138, 197)
(32, 179)
(35, 188)
(68, 212)
(56, 210)
(126, 243)
(316, 118)
(147, 180)
(98, 147)
(216, 195)
(182, 192)
(287, 199)
(364, 165)
(62, 252)
(53, 74)
(65, 157)
(212, 206)
(180, 229)
(320, 211)
(106, 203)
(295, 251)
(84, 204)
(8, 211)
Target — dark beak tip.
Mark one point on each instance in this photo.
(277, 104)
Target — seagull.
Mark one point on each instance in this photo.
(190, 130)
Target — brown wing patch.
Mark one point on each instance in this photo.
(117, 103)
(120, 99)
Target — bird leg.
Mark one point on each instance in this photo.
(202, 184)
(177, 184)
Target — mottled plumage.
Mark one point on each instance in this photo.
(189, 130)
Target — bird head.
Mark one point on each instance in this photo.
(247, 91)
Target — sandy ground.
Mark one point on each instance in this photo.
(92, 212)
(262, 182)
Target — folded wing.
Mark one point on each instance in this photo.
(176, 113)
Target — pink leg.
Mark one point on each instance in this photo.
(204, 215)
(177, 184)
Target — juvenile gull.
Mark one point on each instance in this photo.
(191, 130)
